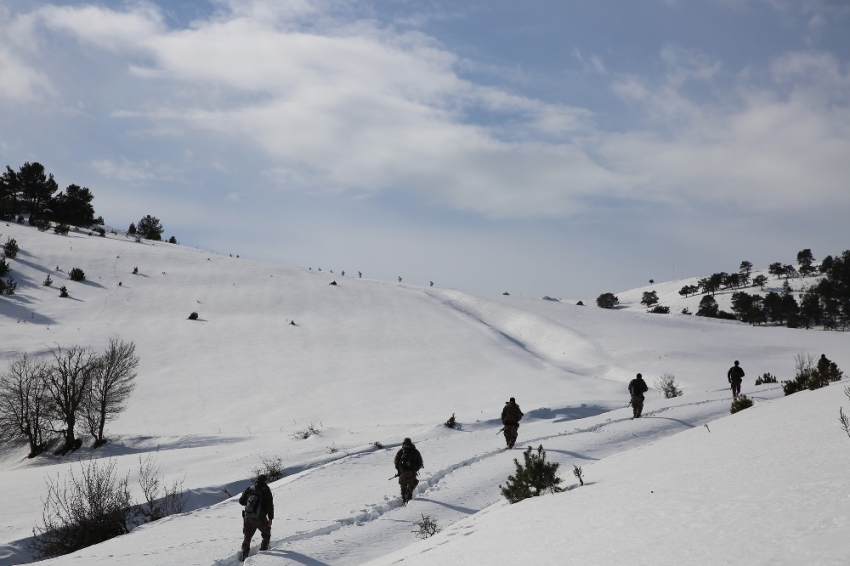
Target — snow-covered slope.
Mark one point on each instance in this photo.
(668, 292)
(366, 361)
(764, 486)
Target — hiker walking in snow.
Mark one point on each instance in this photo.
(735, 375)
(637, 387)
(258, 514)
(511, 415)
(408, 462)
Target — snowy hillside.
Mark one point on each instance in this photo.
(764, 486)
(668, 292)
(366, 361)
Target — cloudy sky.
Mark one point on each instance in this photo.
(560, 148)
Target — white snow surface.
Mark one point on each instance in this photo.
(377, 361)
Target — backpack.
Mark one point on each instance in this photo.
(253, 504)
(408, 460)
(637, 387)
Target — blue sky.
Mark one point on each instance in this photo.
(541, 148)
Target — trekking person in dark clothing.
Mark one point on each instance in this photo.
(408, 462)
(258, 514)
(735, 375)
(637, 387)
(511, 415)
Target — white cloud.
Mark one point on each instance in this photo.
(125, 170)
(341, 105)
(20, 82)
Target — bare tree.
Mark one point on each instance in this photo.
(112, 382)
(24, 406)
(68, 383)
(160, 500)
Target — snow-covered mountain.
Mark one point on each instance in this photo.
(371, 361)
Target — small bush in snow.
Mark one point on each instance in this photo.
(42, 224)
(172, 240)
(667, 385)
(607, 301)
(8, 286)
(740, 403)
(844, 421)
(10, 248)
(61, 229)
(135, 271)
(579, 474)
(88, 508)
(533, 478)
(76, 274)
(4, 267)
(378, 445)
(63, 292)
(580, 304)
(306, 432)
(686, 310)
(766, 377)
(427, 527)
(96, 505)
(160, 500)
(809, 375)
(193, 316)
(272, 467)
(47, 281)
(659, 309)
(332, 449)
(451, 423)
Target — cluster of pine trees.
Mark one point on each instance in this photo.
(826, 303)
(32, 190)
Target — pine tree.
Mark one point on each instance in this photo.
(532, 479)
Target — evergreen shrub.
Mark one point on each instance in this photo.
(451, 423)
(740, 403)
(76, 274)
(10, 248)
(766, 377)
(607, 301)
(532, 478)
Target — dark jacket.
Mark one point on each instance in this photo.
(735, 372)
(511, 414)
(267, 502)
(638, 386)
(413, 457)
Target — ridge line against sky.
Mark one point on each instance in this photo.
(557, 150)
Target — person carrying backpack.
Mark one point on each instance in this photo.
(735, 375)
(408, 462)
(511, 415)
(258, 514)
(637, 387)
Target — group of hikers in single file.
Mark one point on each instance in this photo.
(259, 501)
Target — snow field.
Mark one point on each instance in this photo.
(764, 486)
(368, 361)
